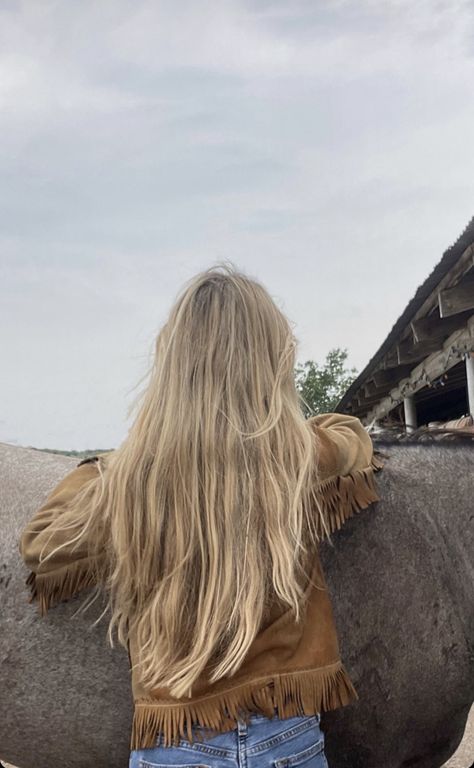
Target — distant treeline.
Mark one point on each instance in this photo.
(75, 454)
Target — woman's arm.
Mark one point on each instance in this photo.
(55, 547)
(346, 468)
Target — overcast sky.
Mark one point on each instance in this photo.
(324, 147)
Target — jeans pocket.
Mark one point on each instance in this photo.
(146, 764)
(310, 757)
(157, 758)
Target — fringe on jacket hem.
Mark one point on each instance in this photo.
(344, 495)
(51, 588)
(303, 692)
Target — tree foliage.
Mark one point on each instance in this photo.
(322, 386)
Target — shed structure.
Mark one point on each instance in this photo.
(424, 370)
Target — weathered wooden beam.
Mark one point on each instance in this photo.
(391, 376)
(371, 389)
(436, 328)
(363, 401)
(457, 299)
(408, 352)
(391, 359)
(429, 369)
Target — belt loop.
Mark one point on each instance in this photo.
(242, 743)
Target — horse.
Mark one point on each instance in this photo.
(401, 578)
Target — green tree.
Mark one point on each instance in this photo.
(322, 386)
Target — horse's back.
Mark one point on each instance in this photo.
(401, 577)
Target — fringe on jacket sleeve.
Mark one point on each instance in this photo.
(58, 569)
(348, 463)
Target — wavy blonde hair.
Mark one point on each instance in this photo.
(208, 507)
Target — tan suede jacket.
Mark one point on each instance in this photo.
(295, 667)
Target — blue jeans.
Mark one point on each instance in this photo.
(262, 743)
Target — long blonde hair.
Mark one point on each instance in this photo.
(208, 507)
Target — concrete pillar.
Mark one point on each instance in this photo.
(470, 381)
(410, 413)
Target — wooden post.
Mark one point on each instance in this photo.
(410, 413)
(470, 381)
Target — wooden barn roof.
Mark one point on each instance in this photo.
(447, 262)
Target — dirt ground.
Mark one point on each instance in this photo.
(463, 757)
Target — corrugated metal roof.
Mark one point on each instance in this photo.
(448, 260)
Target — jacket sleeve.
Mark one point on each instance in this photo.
(59, 566)
(346, 465)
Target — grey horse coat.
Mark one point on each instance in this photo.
(401, 574)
